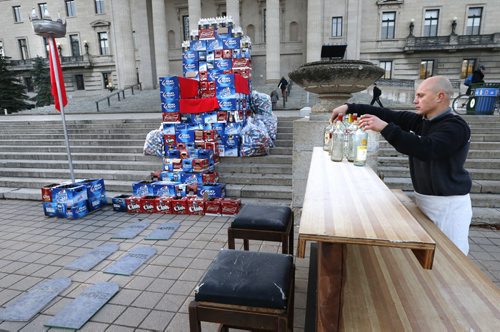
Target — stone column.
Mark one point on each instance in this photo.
(233, 10)
(124, 49)
(315, 23)
(160, 38)
(194, 12)
(354, 12)
(272, 40)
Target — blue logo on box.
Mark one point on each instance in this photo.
(228, 104)
(169, 83)
(223, 64)
(190, 56)
(170, 107)
(231, 43)
(185, 136)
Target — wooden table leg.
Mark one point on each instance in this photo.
(329, 291)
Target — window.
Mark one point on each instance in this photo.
(17, 13)
(103, 43)
(70, 8)
(426, 68)
(337, 26)
(106, 79)
(99, 6)
(474, 21)
(23, 48)
(387, 66)
(431, 22)
(42, 7)
(294, 31)
(28, 83)
(46, 46)
(264, 11)
(79, 83)
(185, 26)
(2, 53)
(388, 25)
(467, 67)
(75, 45)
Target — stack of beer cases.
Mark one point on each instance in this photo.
(216, 65)
(73, 200)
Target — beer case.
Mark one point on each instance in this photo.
(196, 206)
(142, 188)
(213, 190)
(133, 204)
(229, 206)
(119, 202)
(148, 204)
(47, 192)
(213, 207)
(163, 205)
(69, 194)
(180, 205)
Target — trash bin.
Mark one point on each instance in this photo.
(483, 101)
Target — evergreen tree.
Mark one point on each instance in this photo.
(41, 80)
(12, 92)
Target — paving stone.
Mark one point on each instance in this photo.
(157, 320)
(132, 316)
(108, 313)
(147, 300)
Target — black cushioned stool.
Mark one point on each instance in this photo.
(265, 223)
(246, 290)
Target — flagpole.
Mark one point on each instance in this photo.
(52, 50)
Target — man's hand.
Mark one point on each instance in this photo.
(371, 122)
(336, 111)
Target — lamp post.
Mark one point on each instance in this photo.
(46, 27)
(412, 26)
(454, 25)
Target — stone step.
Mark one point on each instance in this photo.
(83, 164)
(73, 137)
(469, 164)
(268, 159)
(76, 149)
(478, 198)
(281, 151)
(126, 157)
(473, 154)
(259, 191)
(263, 169)
(248, 178)
(88, 142)
(476, 174)
(79, 173)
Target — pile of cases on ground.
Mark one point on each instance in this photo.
(207, 114)
(73, 200)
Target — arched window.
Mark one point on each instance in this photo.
(171, 40)
(294, 31)
(251, 32)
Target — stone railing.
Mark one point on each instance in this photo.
(452, 43)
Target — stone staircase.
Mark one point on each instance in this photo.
(483, 163)
(33, 154)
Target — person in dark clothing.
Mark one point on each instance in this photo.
(283, 85)
(376, 95)
(437, 142)
(477, 77)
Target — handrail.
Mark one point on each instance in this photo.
(117, 93)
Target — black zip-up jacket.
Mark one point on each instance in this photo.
(437, 148)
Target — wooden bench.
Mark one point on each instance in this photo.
(387, 290)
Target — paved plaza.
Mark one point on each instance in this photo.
(34, 248)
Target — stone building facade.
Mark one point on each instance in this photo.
(121, 42)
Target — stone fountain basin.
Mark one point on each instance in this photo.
(336, 76)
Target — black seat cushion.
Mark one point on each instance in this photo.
(274, 218)
(247, 278)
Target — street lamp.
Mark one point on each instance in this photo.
(454, 25)
(46, 27)
(86, 45)
(412, 26)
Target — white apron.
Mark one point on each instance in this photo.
(451, 214)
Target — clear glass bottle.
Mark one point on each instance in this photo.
(350, 152)
(338, 140)
(361, 147)
(327, 136)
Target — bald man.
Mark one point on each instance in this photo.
(436, 142)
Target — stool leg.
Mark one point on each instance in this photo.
(246, 246)
(230, 238)
(284, 244)
(194, 323)
(290, 240)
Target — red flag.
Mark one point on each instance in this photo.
(53, 77)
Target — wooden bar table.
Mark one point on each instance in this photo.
(347, 204)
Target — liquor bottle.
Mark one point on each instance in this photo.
(349, 152)
(327, 136)
(337, 142)
(360, 147)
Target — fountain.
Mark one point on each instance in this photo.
(334, 81)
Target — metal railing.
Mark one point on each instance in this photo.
(120, 94)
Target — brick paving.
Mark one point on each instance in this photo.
(156, 297)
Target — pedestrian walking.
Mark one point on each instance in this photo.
(283, 85)
(376, 95)
(274, 98)
(477, 77)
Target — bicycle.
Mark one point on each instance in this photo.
(461, 103)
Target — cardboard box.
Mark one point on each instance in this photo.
(69, 194)
(148, 204)
(133, 204)
(50, 209)
(142, 188)
(229, 206)
(47, 192)
(214, 190)
(164, 205)
(76, 211)
(119, 202)
(180, 205)
(164, 188)
(210, 178)
(196, 206)
(213, 207)
(172, 106)
(171, 118)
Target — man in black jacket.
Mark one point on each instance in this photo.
(376, 95)
(436, 142)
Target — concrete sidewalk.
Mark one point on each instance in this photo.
(156, 297)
